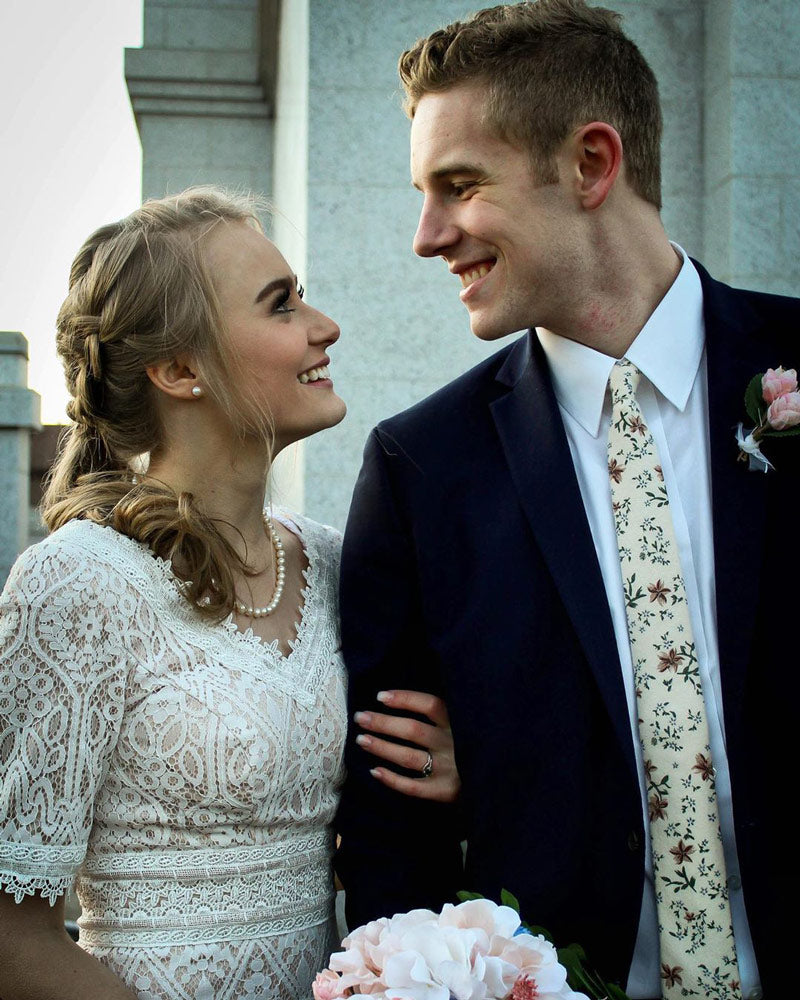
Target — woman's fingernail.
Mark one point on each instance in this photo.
(384, 696)
(363, 741)
(362, 718)
(375, 772)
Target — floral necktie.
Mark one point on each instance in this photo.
(698, 955)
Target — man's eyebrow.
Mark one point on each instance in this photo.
(448, 171)
(287, 283)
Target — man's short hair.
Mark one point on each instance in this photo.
(548, 66)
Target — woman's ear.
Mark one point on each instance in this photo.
(177, 377)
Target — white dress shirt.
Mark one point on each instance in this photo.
(673, 395)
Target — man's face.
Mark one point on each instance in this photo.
(511, 242)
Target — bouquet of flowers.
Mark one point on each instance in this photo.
(475, 950)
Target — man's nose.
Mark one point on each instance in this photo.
(435, 231)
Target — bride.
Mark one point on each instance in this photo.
(172, 704)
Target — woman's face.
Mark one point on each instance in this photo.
(279, 342)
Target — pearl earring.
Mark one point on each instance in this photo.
(197, 391)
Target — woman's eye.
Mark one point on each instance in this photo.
(282, 302)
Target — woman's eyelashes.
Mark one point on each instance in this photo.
(282, 303)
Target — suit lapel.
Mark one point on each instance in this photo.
(532, 434)
(735, 355)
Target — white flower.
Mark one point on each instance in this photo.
(467, 952)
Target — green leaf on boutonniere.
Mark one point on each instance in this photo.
(463, 896)
(754, 400)
(786, 432)
(509, 899)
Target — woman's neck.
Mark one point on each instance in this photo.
(228, 485)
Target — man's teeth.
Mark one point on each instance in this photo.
(467, 277)
(314, 374)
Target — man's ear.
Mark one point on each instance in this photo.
(176, 377)
(597, 152)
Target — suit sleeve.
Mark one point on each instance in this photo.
(397, 853)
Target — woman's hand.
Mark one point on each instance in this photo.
(435, 758)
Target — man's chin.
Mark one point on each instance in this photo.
(485, 329)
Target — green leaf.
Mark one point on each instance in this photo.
(463, 896)
(789, 432)
(754, 400)
(615, 993)
(509, 899)
(573, 953)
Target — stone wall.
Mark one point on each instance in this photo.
(19, 416)
(198, 95)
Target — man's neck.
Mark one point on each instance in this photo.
(621, 293)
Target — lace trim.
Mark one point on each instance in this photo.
(207, 894)
(210, 862)
(50, 887)
(30, 856)
(282, 925)
(26, 862)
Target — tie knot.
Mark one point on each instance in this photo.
(623, 380)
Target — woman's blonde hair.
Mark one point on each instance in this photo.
(140, 293)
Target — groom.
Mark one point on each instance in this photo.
(482, 560)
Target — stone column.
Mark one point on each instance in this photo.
(752, 143)
(19, 415)
(200, 90)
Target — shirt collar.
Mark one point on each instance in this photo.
(667, 351)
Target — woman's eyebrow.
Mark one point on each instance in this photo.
(287, 283)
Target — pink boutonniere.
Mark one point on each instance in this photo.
(773, 404)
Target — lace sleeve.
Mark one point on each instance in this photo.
(62, 682)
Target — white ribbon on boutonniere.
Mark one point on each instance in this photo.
(773, 404)
(748, 447)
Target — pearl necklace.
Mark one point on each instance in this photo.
(280, 577)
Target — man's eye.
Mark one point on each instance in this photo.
(461, 188)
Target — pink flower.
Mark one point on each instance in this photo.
(327, 986)
(776, 382)
(524, 989)
(784, 412)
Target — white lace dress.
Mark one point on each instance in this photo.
(183, 774)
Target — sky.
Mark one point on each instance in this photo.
(70, 158)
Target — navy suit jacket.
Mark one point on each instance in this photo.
(469, 570)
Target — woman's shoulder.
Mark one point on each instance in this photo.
(77, 549)
(85, 540)
(316, 532)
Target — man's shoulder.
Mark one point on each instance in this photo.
(470, 392)
(764, 305)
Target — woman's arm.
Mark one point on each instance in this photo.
(434, 740)
(39, 960)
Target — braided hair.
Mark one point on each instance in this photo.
(140, 292)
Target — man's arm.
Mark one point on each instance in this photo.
(397, 853)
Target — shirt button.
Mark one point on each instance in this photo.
(755, 994)
(734, 883)
(634, 841)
